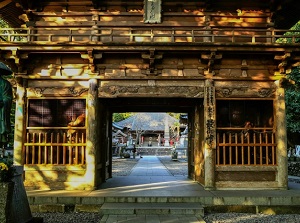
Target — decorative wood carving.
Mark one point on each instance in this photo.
(55, 91)
(245, 92)
(77, 91)
(183, 91)
(266, 92)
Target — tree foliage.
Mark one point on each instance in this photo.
(295, 32)
(117, 117)
(3, 24)
(292, 99)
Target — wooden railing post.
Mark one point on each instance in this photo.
(96, 33)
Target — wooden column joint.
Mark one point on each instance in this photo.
(152, 58)
(244, 68)
(16, 60)
(92, 57)
(284, 61)
(211, 59)
(297, 63)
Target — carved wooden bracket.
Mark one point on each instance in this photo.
(17, 58)
(297, 64)
(211, 58)
(91, 56)
(282, 66)
(152, 59)
(244, 68)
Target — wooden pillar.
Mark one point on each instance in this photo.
(20, 119)
(91, 136)
(209, 134)
(197, 145)
(281, 138)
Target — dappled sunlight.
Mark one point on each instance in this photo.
(173, 72)
(66, 70)
(163, 185)
(224, 20)
(47, 177)
(73, 72)
(259, 75)
(106, 19)
(19, 126)
(46, 72)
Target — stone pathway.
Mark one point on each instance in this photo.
(149, 166)
(123, 167)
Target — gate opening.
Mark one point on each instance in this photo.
(174, 139)
(160, 134)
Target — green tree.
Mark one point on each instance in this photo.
(117, 117)
(295, 32)
(292, 99)
(3, 24)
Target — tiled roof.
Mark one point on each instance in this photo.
(147, 121)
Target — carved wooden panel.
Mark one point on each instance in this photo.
(152, 91)
(244, 89)
(56, 91)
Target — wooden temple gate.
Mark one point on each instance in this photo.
(77, 62)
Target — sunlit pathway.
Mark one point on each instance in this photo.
(149, 166)
(149, 177)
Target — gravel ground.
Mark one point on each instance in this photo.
(179, 167)
(210, 218)
(123, 167)
(69, 217)
(250, 218)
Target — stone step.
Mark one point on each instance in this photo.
(147, 199)
(130, 218)
(152, 209)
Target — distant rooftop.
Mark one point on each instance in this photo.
(147, 121)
